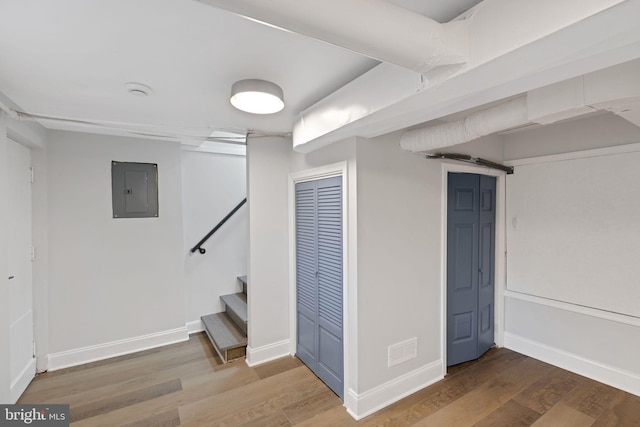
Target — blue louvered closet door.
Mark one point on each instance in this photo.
(319, 279)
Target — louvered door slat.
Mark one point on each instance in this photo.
(319, 280)
(306, 280)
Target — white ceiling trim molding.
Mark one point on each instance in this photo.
(377, 29)
(510, 54)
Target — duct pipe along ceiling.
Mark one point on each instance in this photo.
(615, 89)
(364, 26)
(508, 115)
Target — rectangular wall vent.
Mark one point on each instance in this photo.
(403, 351)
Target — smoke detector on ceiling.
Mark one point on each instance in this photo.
(138, 89)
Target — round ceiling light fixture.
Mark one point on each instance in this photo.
(257, 96)
(138, 89)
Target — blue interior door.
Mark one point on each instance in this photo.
(319, 273)
(470, 266)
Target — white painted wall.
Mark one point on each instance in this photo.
(398, 270)
(111, 279)
(269, 161)
(5, 376)
(572, 297)
(268, 263)
(212, 185)
(398, 253)
(393, 263)
(585, 341)
(574, 226)
(398, 258)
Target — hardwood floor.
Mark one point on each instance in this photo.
(186, 384)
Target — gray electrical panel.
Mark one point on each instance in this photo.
(134, 189)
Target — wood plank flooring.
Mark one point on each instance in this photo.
(187, 385)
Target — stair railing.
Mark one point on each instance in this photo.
(199, 247)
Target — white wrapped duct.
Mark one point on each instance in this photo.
(502, 117)
(378, 29)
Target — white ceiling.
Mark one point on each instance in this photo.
(71, 59)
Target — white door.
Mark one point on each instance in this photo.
(20, 274)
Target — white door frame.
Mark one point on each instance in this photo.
(348, 316)
(500, 248)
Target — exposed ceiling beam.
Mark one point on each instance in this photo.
(377, 29)
(593, 35)
(615, 89)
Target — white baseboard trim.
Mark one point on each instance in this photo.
(194, 327)
(24, 379)
(610, 375)
(79, 356)
(364, 404)
(267, 353)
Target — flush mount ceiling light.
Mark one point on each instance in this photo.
(257, 96)
(138, 89)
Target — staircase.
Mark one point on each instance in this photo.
(228, 330)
